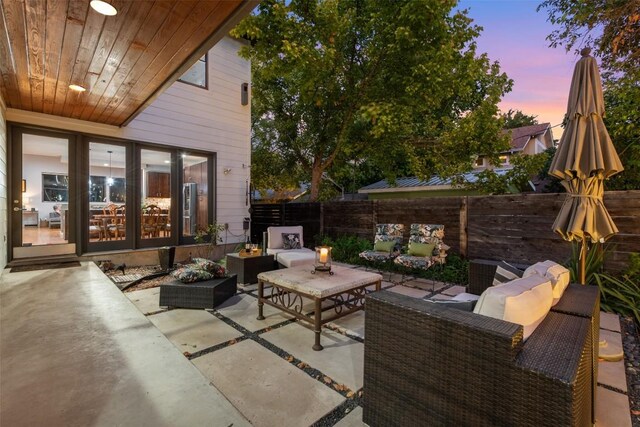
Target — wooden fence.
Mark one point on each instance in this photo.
(516, 227)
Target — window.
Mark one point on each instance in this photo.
(504, 160)
(480, 161)
(155, 171)
(197, 74)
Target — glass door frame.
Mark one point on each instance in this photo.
(212, 191)
(14, 199)
(173, 184)
(85, 174)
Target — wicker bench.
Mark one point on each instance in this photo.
(206, 294)
(430, 365)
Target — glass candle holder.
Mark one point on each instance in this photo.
(322, 261)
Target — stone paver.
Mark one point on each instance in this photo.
(612, 374)
(352, 419)
(265, 388)
(614, 343)
(441, 297)
(353, 323)
(146, 300)
(424, 284)
(342, 358)
(386, 284)
(454, 290)
(193, 330)
(612, 409)
(412, 292)
(243, 309)
(609, 321)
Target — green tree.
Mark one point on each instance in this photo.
(516, 118)
(515, 180)
(337, 80)
(611, 27)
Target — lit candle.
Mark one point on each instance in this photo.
(324, 252)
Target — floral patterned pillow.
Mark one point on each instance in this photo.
(291, 241)
(191, 275)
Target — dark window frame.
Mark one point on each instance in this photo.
(206, 74)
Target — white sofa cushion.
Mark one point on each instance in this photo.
(523, 301)
(293, 257)
(275, 235)
(557, 274)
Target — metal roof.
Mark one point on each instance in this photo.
(413, 182)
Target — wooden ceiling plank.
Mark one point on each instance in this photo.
(170, 26)
(97, 76)
(76, 16)
(213, 21)
(14, 15)
(9, 82)
(36, 34)
(88, 43)
(56, 18)
(136, 16)
(190, 25)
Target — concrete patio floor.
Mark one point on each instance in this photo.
(75, 351)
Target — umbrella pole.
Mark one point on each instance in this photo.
(583, 262)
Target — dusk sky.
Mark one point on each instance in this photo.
(515, 35)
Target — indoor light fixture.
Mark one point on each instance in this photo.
(103, 7)
(24, 185)
(77, 88)
(110, 179)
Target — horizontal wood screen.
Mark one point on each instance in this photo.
(514, 227)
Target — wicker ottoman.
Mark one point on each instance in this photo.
(206, 294)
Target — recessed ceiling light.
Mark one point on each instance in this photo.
(105, 164)
(103, 7)
(167, 161)
(77, 88)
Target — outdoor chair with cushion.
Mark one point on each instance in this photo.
(425, 247)
(386, 243)
(514, 360)
(286, 244)
(54, 220)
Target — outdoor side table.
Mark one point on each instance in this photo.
(248, 268)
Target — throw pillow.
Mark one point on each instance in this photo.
(421, 249)
(523, 301)
(557, 274)
(505, 272)
(459, 305)
(384, 246)
(291, 241)
(191, 275)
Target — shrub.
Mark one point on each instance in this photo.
(347, 248)
(621, 295)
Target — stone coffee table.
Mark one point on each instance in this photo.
(346, 289)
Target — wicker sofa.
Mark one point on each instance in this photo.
(431, 365)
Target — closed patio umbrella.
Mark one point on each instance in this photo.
(584, 159)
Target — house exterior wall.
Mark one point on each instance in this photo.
(420, 194)
(4, 217)
(211, 119)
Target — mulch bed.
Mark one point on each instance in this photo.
(631, 345)
(45, 266)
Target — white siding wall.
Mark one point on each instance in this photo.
(187, 116)
(4, 219)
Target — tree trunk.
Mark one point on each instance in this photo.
(316, 177)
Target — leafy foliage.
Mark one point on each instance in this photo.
(612, 28)
(622, 294)
(346, 248)
(596, 256)
(516, 118)
(211, 235)
(337, 80)
(514, 180)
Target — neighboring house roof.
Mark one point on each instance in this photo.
(520, 136)
(415, 184)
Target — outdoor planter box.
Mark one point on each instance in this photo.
(205, 294)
